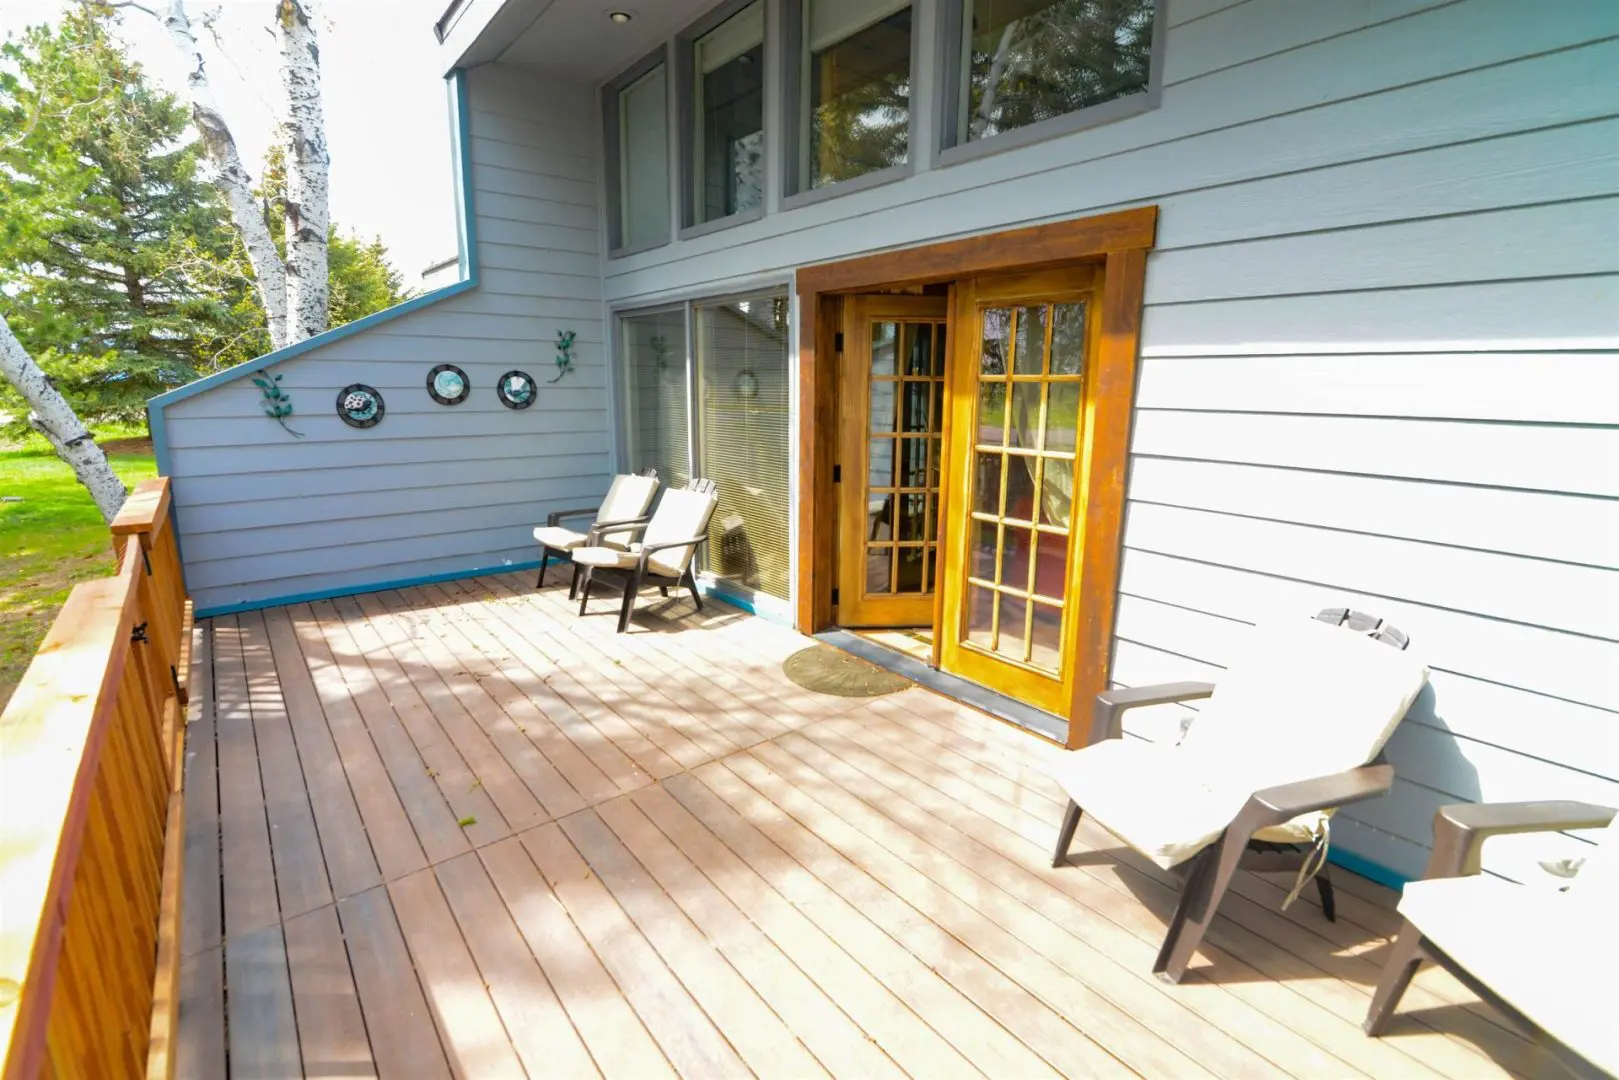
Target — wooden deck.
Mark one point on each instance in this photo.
(455, 830)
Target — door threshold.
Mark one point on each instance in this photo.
(954, 687)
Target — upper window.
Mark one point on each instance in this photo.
(855, 116)
(1025, 61)
(638, 156)
(727, 151)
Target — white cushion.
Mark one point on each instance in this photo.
(558, 538)
(1301, 699)
(681, 514)
(627, 498)
(1550, 954)
(608, 557)
(1159, 801)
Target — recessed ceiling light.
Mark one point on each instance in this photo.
(620, 17)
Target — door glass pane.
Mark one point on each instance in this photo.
(997, 341)
(880, 516)
(913, 510)
(883, 344)
(991, 413)
(729, 144)
(1068, 339)
(1056, 491)
(743, 384)
(643, 161)
(1016, 546)
(938, 349)
(909, 576)
(934, 475)
(913, 464)
(1020, 470)
(880, 464)
(1031, 60)
(983, 545)
(1025, 420)
(656, 373)
(980, 616)
(859, 89)
(1030, 355)
(878, 579)
(1062, 419)
(987, 483)
(1051, 566)
(884, 395)
(1013, 612)
(915, 410)
(918, 349)
(1045, 641)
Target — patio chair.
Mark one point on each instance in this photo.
(662, 557)
(625, 504)
(1295, 730)
(1546, 958)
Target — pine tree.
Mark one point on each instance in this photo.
(111, 240)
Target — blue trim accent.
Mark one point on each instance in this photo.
(357, 590)
(467, 235)
(719, 593)
(1366, 868)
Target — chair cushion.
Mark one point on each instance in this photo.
(1301, 699)
(605, 557)
(558, 538)
(627, 497)
(1547, 953)
(681, 513)
(1158, 801)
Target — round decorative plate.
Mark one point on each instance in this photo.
(360, 406)
(516, 390)
(447, 385)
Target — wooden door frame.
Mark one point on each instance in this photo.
(1120, 242)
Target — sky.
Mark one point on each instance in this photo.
(387, 118)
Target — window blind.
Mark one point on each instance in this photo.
(657, 376)
(743, 434)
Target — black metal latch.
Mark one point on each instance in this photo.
(139, 633)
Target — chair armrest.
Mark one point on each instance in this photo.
(1107, 718)
(1284, 802)
(1459, 830)
(555, 517)
(597, 528)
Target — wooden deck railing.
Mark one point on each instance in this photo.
(91, 829)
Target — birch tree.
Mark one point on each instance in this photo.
(235, 183)
(308, 164)
(54, 418)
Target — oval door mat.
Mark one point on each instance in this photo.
(830, 670)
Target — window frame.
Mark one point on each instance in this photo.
(612, 157)
(685, 68)
(947, 84)
(795, 124)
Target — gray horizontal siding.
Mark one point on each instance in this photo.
(1379, 363)
(432, 489)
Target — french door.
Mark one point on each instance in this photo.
(892, 401)
(1009, 574)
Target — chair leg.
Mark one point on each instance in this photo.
(1200, 904)
(1196, 879)
(1065, 835)
(573, 585)
(584, 589)
(632, 585)
(545, 560)
(1329, 902)
(691, 583)
(1405, 956)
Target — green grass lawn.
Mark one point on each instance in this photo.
(49, 540)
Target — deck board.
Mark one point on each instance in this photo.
(455, 830)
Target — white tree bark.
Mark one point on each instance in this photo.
(55, 419)
(308, 164)
(246, 212)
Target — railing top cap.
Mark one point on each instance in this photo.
(145, 509)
